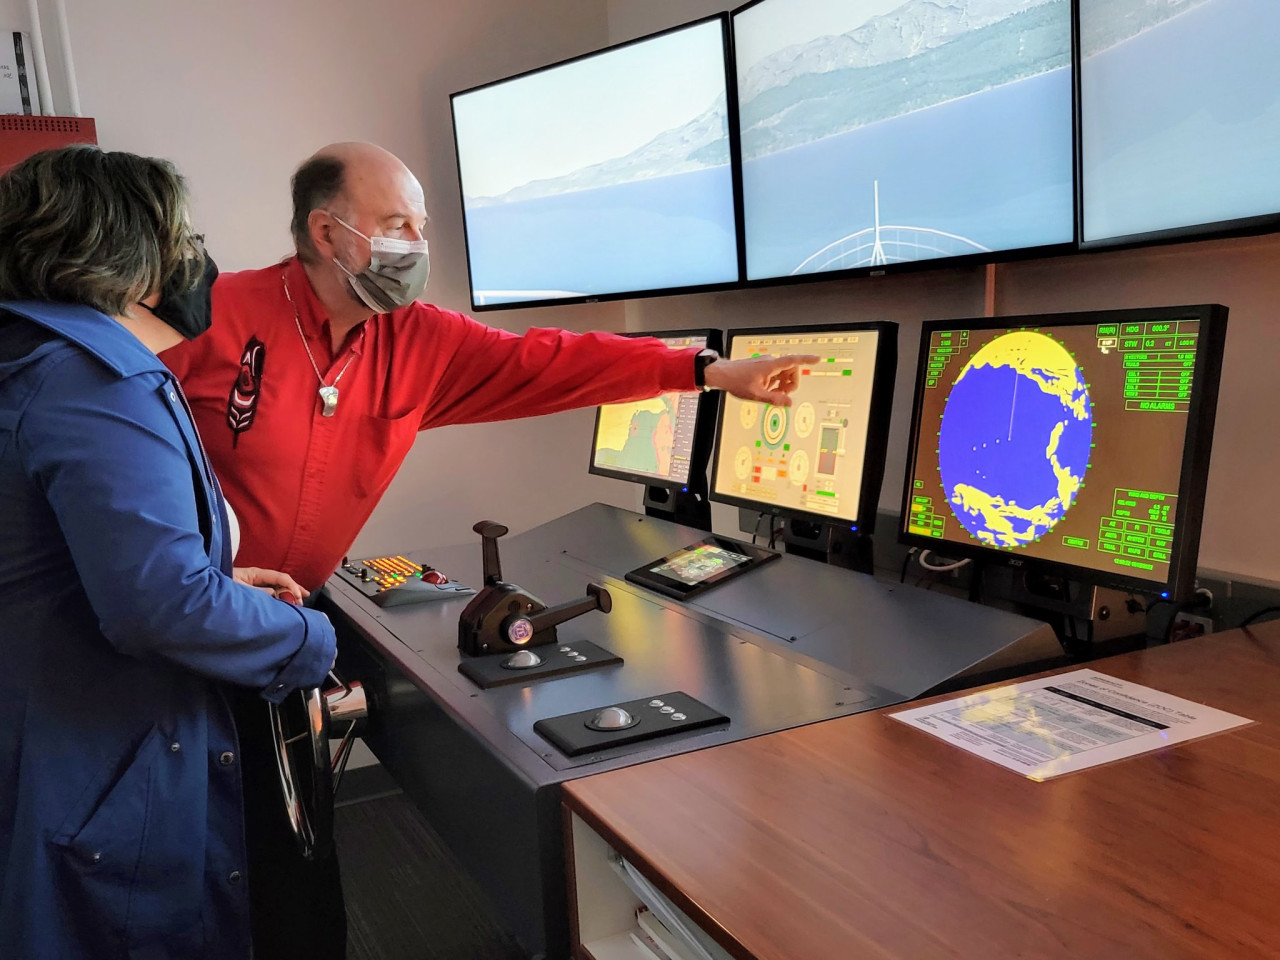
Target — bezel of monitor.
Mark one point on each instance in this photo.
(878, 413)
(1197, 444)
(731, 109)
(1220, 229)
(1010, 255)
(704, 427)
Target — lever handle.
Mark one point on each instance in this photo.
(597, 598)
(490, 532)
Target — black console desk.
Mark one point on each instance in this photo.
(791, 643)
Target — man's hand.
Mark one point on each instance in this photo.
(279, 585)
(767, 379)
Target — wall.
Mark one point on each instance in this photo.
(237, 93)
(1240, 527)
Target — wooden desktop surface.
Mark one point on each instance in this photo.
(862, 837)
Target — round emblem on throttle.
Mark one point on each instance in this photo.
(520, 631)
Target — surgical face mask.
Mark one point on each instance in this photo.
(397, 272)
(189, 310)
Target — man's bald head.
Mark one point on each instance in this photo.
(360, 180)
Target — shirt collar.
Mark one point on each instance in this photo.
(93, 331)
(312, 315)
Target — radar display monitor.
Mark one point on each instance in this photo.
(663, 441)
(822, 458)
(1079, 442)
(1179, 119)
(604, 176)
(877, 133)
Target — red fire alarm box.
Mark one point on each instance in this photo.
(21, 136)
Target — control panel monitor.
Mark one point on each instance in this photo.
(1077, 442)
(880, 133)
(604, 176)
(1179, 118)
(663, 441)
(822, 458)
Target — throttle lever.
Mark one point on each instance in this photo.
(490, 532)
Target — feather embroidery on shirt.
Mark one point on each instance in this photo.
(242, 405)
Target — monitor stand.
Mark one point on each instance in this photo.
(1088, 614)
(687, 507)
(830, 543)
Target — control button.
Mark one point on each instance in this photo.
(668, 710)
(226, 758)
(655, 703)
(566, 649)
(678, 716)
(579, 657)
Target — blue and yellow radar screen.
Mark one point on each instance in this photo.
(1063, 442)
(1014, 446)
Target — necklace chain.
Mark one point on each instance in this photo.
(328, 392)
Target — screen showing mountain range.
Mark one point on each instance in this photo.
(876, 132)
(601, 176)
(1179, 114)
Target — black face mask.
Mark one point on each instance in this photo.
(189, 311)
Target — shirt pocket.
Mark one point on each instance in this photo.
(120, 867)
(383, 443)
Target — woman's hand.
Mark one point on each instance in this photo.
(279, 585)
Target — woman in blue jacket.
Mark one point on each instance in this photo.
(123, 633)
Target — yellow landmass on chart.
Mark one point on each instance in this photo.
(615, 421)
(1068, 482)
(1040, 358)
(998, 531)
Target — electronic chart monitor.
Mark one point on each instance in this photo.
(881, 133)
(821, 459)
(664, 441)
(1077, 442)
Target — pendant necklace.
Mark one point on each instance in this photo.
(328, 392)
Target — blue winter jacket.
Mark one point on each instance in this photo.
(121, 821)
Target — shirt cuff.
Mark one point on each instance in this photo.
(677, 370)
(311, 664)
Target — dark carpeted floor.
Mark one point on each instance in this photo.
(407, 899)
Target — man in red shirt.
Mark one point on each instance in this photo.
(304, 477)
(309, 390)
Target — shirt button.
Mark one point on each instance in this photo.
(97, 856)
(279, 686)
(226, 758)
(234, 877)
(173, 396)
(175, 746)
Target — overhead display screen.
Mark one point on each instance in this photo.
(601, 176)
(1179, 115)
(877, 132)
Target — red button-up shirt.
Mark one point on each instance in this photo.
(303, 484)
